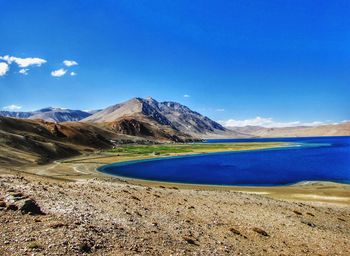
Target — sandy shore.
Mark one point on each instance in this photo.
(85, 168)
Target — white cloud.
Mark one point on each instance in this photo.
(12, 107)
(4, 67)
(187, 96)
(59, 72)
(73, 73)
(265, 122)
(23, 62)
(70, 63)
(24, 71)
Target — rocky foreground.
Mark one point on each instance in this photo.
(41, 216)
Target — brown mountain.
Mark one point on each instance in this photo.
(24, 141)
(169, 115)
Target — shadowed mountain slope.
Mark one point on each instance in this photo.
(24, 141)
(171, 114)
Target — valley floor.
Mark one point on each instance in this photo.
(90, 212)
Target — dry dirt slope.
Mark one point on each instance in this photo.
(24, 141)
(104, 217)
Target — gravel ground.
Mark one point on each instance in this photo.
(104, 217)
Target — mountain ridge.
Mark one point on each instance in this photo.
(172, 114)
(169, 120)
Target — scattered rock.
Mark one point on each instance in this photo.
(310, 224)
(84, 247)
(135, 198)
(235, 231)
(14, 197)
(57, 225)
(189, 240)
(311, 214)
(297, 212)
(12, 207)
(2, 204)
(30, 206)
(260, 231)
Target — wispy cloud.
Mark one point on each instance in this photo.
(70, 63)
(4, 67)
(23, 62)
(265, 122)
(187, 96)
(73, 73)
(12, 107)
(59, 72)
(219, 110)
(24, 71)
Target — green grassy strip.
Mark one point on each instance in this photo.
(188, 148)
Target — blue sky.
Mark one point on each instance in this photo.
(286, 60)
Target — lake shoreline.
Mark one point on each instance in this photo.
(85, 167)
(118, 216)
(295, 143)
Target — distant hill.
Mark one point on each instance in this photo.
(15, 114)
(166, 114)
(342, 129)
(49, 114)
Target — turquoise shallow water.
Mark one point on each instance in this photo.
(307, 159)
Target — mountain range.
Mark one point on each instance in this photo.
(49, 114)
(341, 129)
(137, 117)
(168, 121)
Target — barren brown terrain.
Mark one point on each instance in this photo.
(69, 208)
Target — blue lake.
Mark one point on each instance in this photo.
(307, 159)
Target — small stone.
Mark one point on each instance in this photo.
(235, 231)
(135, 198)
(84, 248)
(310, 224)
(57, 225)
(30, 206)
(260, 231)
(297, 212)
(189, 240)
(12, 207)
(2, 205)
